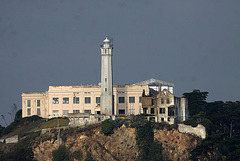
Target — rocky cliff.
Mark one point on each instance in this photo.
(121, 145)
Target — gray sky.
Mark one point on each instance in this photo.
(193, 44)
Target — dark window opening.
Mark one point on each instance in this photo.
(28, 103)
(171, 111)
(87, 99)
(168, 100)
(121, 112)
(162, 110)
(144, 110)
(97, 99)
(152, 102)
(152, 110)
(28, 111)
(121, 99)
(38, 111)
(55, 100)
(162, 101)
(65, 100)
(38, 103)
(75, 100)
(87, 111)
(131, 99)
(76, 111)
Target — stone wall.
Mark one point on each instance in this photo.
(199, 131)
(84, 119)
(13, 139)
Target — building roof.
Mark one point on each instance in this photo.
(155, 82)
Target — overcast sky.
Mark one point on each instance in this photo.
(193, 44)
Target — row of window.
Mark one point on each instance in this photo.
(167, 101)
(65, 112)
(161, 111)
(56, 112)
(131, 112)
(131, 100)
(29, 111)
(88, 100)
(29, 103)
(75, 100)
(66, 100)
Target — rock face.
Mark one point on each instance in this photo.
(119, 146)
(176, 146)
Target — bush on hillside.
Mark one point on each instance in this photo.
(109, 125)
(21, 122)
(61, 154)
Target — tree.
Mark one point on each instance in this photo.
(196, 101)
(148, 148)
(13, 111)
(223, 139)
(1, 129)
(18, 115)
(3, 117)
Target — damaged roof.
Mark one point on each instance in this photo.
(155, 82)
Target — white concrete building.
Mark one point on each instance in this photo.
(109, 99)
(58, 101)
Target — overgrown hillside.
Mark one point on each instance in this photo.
(134, 139)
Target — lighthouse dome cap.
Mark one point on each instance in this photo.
(106, 40)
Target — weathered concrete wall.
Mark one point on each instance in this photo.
(78, 120)
(13, 139)
(199, 131)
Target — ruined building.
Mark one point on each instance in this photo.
(162, 104)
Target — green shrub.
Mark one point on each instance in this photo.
(107, 127)
(61, 154)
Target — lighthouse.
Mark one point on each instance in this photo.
(106, 77)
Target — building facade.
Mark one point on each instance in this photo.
(58, 101)
(106, 98)
(165, 106)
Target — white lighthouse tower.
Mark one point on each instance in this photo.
(106, 78)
